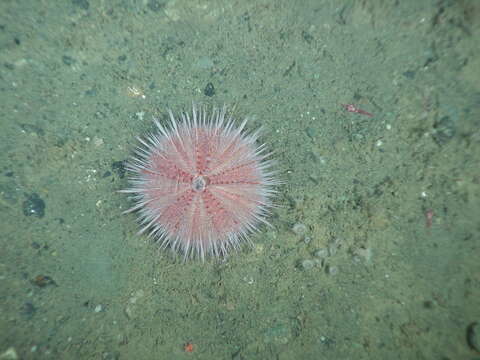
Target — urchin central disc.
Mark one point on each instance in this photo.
(199, 183)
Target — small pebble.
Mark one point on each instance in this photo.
(321, 253)
(308, 264)
(299, 229)
(473, 336)
(9, 354)
(331, 270)
(34, 205)
(98, 308)
(43, 281)
(318, 262)
(332, 249)
(365, 254)
(279, 334)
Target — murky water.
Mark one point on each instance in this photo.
(376, 239)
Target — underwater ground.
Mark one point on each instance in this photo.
(375, 245)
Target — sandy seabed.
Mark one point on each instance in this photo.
(374, 248)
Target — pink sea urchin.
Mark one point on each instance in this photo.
(201, 184)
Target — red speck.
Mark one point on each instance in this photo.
(188, 347)
(354, 109)
(428, 218)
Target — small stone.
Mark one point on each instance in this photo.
(131, 308)
(365, 254)
(119, 168)
(98, 308)
(259, 248)
(409, 74)
(331, 270)
(204, 63)
(308, 264)
(43, 281)
(311, 132)
(318, 262)
(34, 205)
(209, 90)
(428, 304)
(68, 60)
(321, 253)
(473, 336)
(83, 4)
(444, 130)
(110, 356)
(129, 312)
(299, 229)
(137, 295)
(279, 334)
(28, 310)
(332, 250)
(155, 5)
(9, 354)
